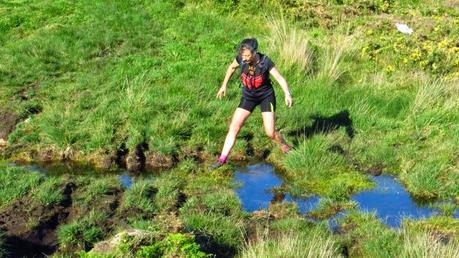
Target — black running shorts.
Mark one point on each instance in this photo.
(264, 97)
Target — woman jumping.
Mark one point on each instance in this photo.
(257, 90)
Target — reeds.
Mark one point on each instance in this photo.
(291, 245)
(427, 244)
(291, 44)
(331, 65)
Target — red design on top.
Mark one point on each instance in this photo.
(251, 81)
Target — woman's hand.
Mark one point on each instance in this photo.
(221, 92)
(288, 100)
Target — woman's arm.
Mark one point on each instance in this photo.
(229, 72)
(283, 83)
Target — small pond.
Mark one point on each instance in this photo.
(389, 199)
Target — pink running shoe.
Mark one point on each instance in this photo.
(285, 148)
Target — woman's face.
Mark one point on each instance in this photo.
(247, 56)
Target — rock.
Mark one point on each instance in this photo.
(111, 245)
(3, 143)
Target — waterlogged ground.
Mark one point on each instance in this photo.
(388, 199)
(69, 209)
(131, 85)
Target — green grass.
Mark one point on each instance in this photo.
(82, 233)
(213, 209)
(104, 74)
(94, 75)
(16, 182)
(291, 243)
(94, 188)
(169, 191)
(141, 197)
(49, 192)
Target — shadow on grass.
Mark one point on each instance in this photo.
(324, 125)
(211, 246)
(20, 247)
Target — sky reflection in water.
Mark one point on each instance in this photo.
(389, 199)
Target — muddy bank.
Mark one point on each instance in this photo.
(30, 228)
(7, 125)
(138, 159)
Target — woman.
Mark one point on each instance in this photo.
(257, 90)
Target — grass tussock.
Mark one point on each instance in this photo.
(82, 233)
(140, 197)
(16, 182)
(291, 244)
(427, 245)
(331, 62)
(292, 46)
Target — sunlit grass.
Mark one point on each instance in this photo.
(291, 244)
(291, 45)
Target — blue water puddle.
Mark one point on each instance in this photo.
(391, 202)
(389, 199)
(256, 192)
(126, 180)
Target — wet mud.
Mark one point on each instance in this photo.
(30, 230)
(8, 123)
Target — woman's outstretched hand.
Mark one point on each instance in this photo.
(288, 101)
(221, 92)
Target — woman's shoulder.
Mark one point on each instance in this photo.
(265, 60)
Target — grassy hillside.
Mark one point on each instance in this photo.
(87, 79)
(106, 82)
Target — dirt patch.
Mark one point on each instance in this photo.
(46, 154)
(8, 124)
(135, 160)
(158, 161)
(31, 231)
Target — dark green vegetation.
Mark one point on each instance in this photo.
(133, 83)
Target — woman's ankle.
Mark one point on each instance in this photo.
(223, 158)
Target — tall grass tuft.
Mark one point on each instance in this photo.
(291, 44)
(331, 65)
(435, 94)
(291, 244)
(427, 245)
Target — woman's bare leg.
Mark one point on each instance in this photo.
(269, 120)
(239, 117)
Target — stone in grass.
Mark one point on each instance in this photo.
(108, 246)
